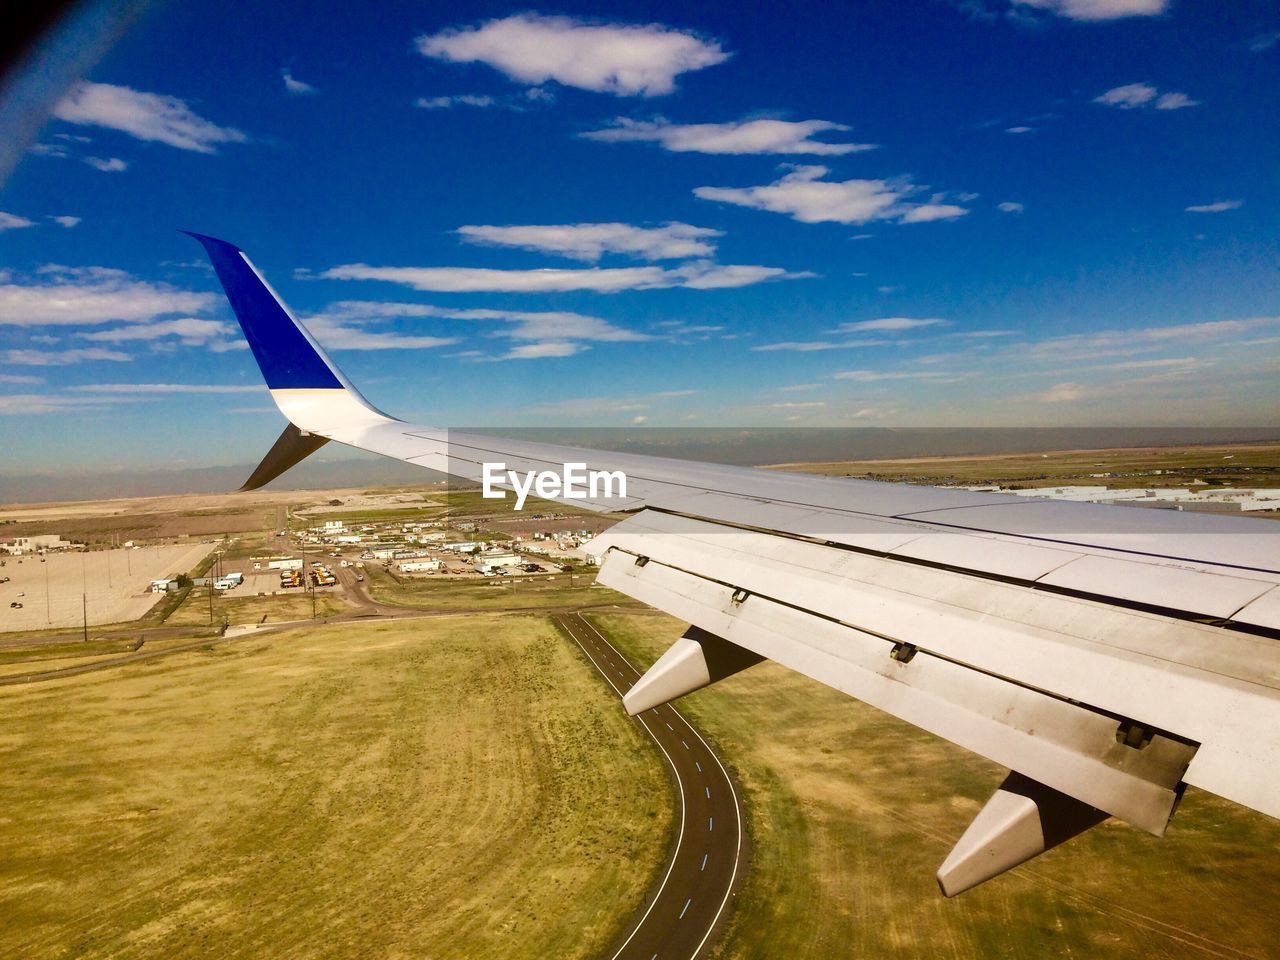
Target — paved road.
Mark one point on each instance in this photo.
(691, 901)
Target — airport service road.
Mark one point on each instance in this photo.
(692, 897)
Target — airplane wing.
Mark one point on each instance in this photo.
(1108, 657)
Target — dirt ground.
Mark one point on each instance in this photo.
(115, 585)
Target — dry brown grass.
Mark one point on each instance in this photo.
(452, 788)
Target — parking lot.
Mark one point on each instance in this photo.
(110, 586)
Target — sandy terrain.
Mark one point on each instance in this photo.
(115, 585)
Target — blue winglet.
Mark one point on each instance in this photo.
(289, 358)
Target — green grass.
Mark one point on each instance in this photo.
(850, 812)
(452, 788)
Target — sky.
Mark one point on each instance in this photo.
(972, 213)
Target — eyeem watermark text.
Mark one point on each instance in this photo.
(574, 482)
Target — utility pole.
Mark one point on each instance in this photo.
(84, 610)
(48, 614)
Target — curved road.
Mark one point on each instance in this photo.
(691, 901)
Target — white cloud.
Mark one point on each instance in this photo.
(889, 325)
(339, 336)
(1008, 206)
(1063, 393)
(1097, 9)
(928, 212)
(813, 346)
(1020, 130)
(874, 376)
(295, 86)
(1128, 96)
(626, 60)
(141, 388)
(10, 221)
(1264, 42)
(599, 406)
(1222, 206)
(60, 358)
(701, 275)
(459, 100)
(147, 116)
(192, 331)
(1120, 343)
(591, 241)
(19, 378)
(1134, 95)
(805, 405)
(107, 165)
(67, 222)
(741, 137)
(806, 197)
(517, 324)
(89, 295)
(22, 404)
(1175, 101)
(538, 351)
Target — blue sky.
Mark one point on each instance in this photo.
(980, 213)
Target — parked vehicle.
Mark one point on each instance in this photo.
(15, 605)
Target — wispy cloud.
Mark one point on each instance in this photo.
(107, 164)
(1131, 96)
(814, 346)
(192, 331)
(540, 351)
(90, 295)
(60, 358)
(147, 116)
(129, 389)
(67, 222)
(1009, 206)
(1092, 10)
(700, 275)
(874, 376)
(1264, 41)
(591, 241)
(889, 325)
(626, 60)
(1175, 101)
(1017, 130)
(579, 407)
(1222, 206)
(19, 378)
(457, 100)
(556, 325)
(336, 335)
(11, 221)
(740, 137)
(24, 404)
(294, 86)
(805, 196)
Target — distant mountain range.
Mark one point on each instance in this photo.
(749, 446)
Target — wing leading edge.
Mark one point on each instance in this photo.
(1107, 657)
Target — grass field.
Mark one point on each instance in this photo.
(281, 608)
(492, 592)
(1246, 465)
(449, 788)
(850, 812)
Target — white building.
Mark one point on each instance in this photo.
(421, 566)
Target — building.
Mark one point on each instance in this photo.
(498, 559)
(421, 566)
(40, 543)
(334, 526)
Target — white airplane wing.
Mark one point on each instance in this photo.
(1107, 656)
